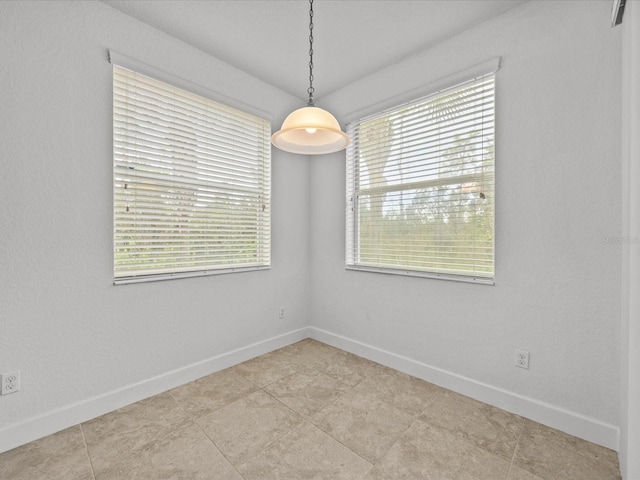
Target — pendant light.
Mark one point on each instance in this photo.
(310, 130)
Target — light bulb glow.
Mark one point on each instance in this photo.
(311, 130)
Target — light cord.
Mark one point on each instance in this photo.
(310, 90)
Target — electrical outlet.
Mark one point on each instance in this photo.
(522, 359)
(281, 312)
(10, 382)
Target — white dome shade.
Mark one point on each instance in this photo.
(311, 131)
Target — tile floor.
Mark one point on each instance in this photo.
(309, 411)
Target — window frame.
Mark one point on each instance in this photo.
(352, 260)
(262, 181)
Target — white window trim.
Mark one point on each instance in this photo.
(165, 77)
(484, 68)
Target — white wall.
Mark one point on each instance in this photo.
(558, 286)
(82, 345)
(630, 418)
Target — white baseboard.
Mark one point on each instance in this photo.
(42, 425)
(553, 416)
(570, 422)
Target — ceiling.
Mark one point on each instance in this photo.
(269, 39)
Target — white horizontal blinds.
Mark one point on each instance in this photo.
(420, 184)
(191, 181)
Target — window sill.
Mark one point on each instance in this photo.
(417, 273)
(171, 276)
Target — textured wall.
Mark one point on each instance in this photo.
(558, 201)
(75, 336)
(71, 333)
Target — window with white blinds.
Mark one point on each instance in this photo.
(191, 181)
(420, 186)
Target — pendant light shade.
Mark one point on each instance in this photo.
(310, 130)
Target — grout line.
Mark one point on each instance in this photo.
(255, 454)
(195, 419)
(373, 463)
(287, 407)
(308, 418)
(303, 419)
(345, 446)
(350, 390)
(215, 445)
(395, 440)
(513, 457)
(86, 449)
(439, 394)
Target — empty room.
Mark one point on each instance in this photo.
(320, 239)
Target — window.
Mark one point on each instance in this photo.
(420, 186)
(191, 180)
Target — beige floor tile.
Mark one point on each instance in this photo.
(114, 434)
(305, 453)
(268, 368)
(212, 392)
(160, 408)
(185, 453)
(364, 423)
(308, 353)
(347, 368)
(244, 427)
(517, 473)
(309, 411)
(372, 474)
(554, 455)
(409, 394)
(61, 456)
(308, 391)
(487, 427)
(426, 452)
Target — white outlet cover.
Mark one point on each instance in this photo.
(522, 359)
(10, 382)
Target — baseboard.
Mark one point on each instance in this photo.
(51, 422)
(553, 416)
(570, 422)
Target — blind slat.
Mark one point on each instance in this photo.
(192, 182)
(421, 182)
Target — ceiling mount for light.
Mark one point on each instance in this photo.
(310, 130)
